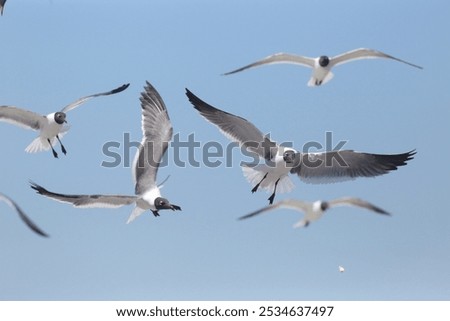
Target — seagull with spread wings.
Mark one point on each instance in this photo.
(50, 127)
(323, 167)
(22, 215)
(157, 132)
(314, 211)
(322, 65)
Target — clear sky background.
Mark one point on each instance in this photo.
(55, 51)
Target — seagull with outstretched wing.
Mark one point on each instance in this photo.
(157, 133)
(314, 211)
(279, 161)
(321, 66)
(50, 127)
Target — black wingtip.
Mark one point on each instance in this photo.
(195, 101)
(38, 188)
(120, 89)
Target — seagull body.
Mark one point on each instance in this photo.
(22, 215)
(279, 161)
(321, 66)
(315, 210)
(51, 127)
(157, 132)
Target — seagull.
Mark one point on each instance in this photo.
(157, 132)
(51, 126)
(323, 167)
(314, 211)
(2, 6)
(341, 269)
(321, 65)
(22, 215)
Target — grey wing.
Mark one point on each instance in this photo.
(235, 128)
(329, 167)
(107, 201)
(157, 133)
(363, 53)
(2, 5)
(288, 203)
(353, 201)
(22, 215)
(21, 117)
(82, 100)
(276, 59)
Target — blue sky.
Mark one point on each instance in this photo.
(56, 51)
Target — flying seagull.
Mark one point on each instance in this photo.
(50, 127)
(22, 215)
(341, 269)
(157, 132)
(314, 211)
(2, 6)
(323, 167)
(321, 65)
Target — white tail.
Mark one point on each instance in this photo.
(136, 212)
(255, 174)
(39, 144)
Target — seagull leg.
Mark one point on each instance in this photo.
(273, 194)
(55, 154)
(63, 149)
(254, 189)
(155, 213)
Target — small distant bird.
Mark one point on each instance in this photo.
(157, 132)
(22, 215)
(341, 269)
(2, 6)
(50, 126)
(321, 65)
(314, 211)
(324, 167)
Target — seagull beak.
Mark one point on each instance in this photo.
(175, 207)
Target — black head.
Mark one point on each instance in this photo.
(60, 118)
(324, 61)
(162, 203)
(289, 156)
(324, 206)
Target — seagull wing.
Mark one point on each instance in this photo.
(329, 167)
(82, 100)
(363, 53)
(107, 201)
(22, 215)
(21, 117)
(353, 201)
(288, 203)
(236, 128)
(157, 132)
(2, 6)
(276, 59)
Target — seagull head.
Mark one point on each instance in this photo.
(324, 61)
(60, 118)
(162, 203)
(289, 156)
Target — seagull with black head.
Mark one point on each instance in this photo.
(322, 65)
(279, 161)
(52, 126)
